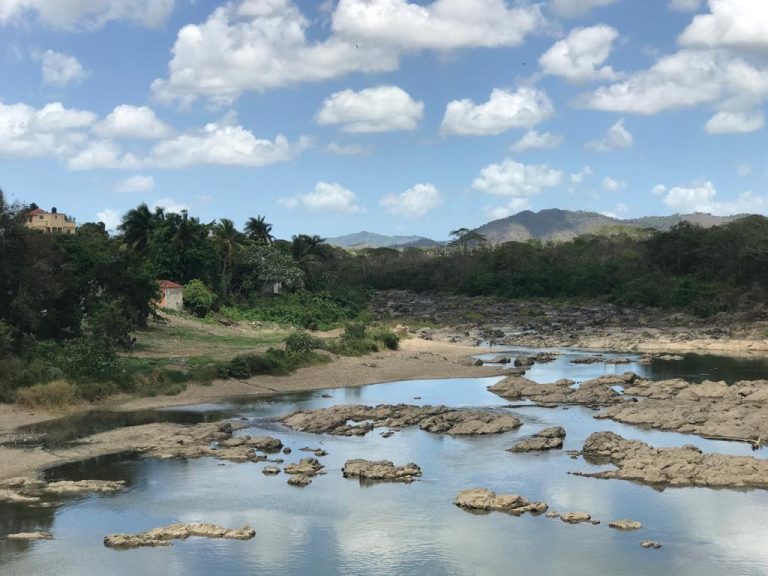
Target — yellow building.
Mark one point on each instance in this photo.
(50, 222)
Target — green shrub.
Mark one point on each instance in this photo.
(354, 331)
(198, 299)
(161, 383)
(301, 343)
(391, 340)
(53, 395)
(87, 359)
(238, 368)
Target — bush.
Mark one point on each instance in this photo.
(301, 343)
(88, 359)
(238, 368)
(56, 394)
(354, 331)
(391, 340)
(198, 299)
(109, 322)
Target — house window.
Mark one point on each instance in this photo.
(41, 217)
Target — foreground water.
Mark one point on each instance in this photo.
(339, 526)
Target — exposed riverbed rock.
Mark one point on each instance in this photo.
(547, 439)
(162, 536)
(270, 470)
(685, 466)
(380, 470)
(596, 392)
(625, 524)
(650, 544)
(31, 536)
(359, 420)
(575, 517)
(306, 467)
(300, 481)
(29, 490)
(68, 487)
(482, 499)
(712, 409)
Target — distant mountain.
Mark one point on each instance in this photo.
(562, 225)
(373, 240)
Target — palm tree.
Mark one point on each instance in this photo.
(259, 230)
(228, 240)
(137, 228)
(305, 248)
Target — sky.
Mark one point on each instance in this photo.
(392, 116)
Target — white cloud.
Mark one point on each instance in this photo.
(441, 25)
(505, 110)
(737, 24)
(102, 154)
(61, 70)
(533, 140)
(580, 176)
(580, 56)
(347, 149)
(331, 197)
(576, 8)
(253, 45)
(616, 138)
(52, 131)
(702, 197)
(380, 109)
(86, 13)
(225, 146)
(685, 79)
(511, 178)
(659, 189)
(685, 5)
(513, 207)
(613, 185)
(170, 205)
(132, 122)
(414, 202)
(725, 122)
(137, 183)
(110, 218)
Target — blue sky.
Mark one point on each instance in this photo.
(392, 116)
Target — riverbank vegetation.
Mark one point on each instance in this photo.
(81, 308)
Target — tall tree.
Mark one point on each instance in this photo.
(137, 227)
(228, 241)
(259, 230)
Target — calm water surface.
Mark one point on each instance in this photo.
(338, 526)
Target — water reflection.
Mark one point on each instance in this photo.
(338, 526)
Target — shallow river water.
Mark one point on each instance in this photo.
(339, 526)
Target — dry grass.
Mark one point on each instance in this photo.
(51, 396)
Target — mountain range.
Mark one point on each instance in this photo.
(549, 225)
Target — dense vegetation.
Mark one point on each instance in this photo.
(701, 270)
(69, 304)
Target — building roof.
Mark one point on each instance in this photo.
(37, 211)
(164, 284)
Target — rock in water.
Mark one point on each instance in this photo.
(162, 536)
(684, 466)
(625, 524)
(547, 439)
(650, 544)
(575, 517)
(300, 481)
(31, 536)
(306, 467)
(482, 499)
(380, 470)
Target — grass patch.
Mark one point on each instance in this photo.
(359, 340)
(273, 363)
(51, 396)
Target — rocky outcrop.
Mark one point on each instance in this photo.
(300, 481)
(29, 490)
(359, 420)
(575, 517)
(306, 467)
(481, 499)
(270, 470)
(380, 470)
(650, 544)
(625, 524)
(547, 439)
(685, 466)
(163, 536)
(596, 392)
(712, 409)
(31, 536)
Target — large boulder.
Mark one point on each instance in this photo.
(380, 470)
